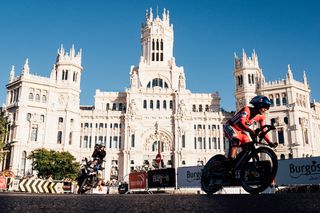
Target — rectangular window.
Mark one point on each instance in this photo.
(85, 141)
(195, 143)
(59, 138)
(100, 140)
(199, 143)
(132, 140)
(280, 136)
(115, 142)
(70, 138)
(183, 141)
(306, 137)
(110, 142)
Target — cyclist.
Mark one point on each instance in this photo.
(235, 129)
(98, 155)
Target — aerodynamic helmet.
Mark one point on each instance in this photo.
(260, 101)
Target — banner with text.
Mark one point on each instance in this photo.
(189, 177)
(161, 178)
(299, 171)
(138, 180)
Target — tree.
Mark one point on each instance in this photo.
(59, 165)
(3, 132)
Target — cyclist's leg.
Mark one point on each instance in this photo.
(233, 148)
(231, 134)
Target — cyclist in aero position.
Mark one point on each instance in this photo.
(235, 129)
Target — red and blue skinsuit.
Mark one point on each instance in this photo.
(235, 127)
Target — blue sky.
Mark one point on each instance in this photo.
(207, 33)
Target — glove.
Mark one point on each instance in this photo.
(273, 145)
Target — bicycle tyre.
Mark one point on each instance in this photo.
(206, 177)
(266, 176)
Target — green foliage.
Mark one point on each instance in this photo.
(59, 165)
(3, 132)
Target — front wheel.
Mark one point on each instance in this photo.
(206, 177)
(83, 186)
(259, 170)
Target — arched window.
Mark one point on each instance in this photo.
(44, 99)
(30, 96)
(164, 104)
(271, 100)
(277, 100)
(158, 104)
(282, 157)
(37, 97)
(284, 99)
(144, 104)
(157, 82)
(151, 104)
(34, 133)
(194, 108)
(200, 108)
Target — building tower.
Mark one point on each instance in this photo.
(66, 76)
(248, 78)
(157, 61)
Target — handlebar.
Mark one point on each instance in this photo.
(261, 134)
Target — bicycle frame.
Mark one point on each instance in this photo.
(250, 147)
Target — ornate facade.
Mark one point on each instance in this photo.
(295, 117)
(157, 114)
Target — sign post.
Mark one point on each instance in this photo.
(158, 158)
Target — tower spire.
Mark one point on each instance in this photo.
(11, 78)
(305, 80)
(26, 68)
(289, 73)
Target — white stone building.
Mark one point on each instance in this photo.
(296, 119)
(157, 114)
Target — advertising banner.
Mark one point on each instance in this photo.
(13, 185)
(189, 177)
(3, 183)
(299, 171)
(138, 180)
(161, 178)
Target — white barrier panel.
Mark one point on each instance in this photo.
(189, 177)
(299, 171)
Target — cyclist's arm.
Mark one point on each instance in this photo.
(243, 126)
(266, 137)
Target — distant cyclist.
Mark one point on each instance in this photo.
(98, 155)
(235, 129)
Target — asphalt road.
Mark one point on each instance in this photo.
(292, 202)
